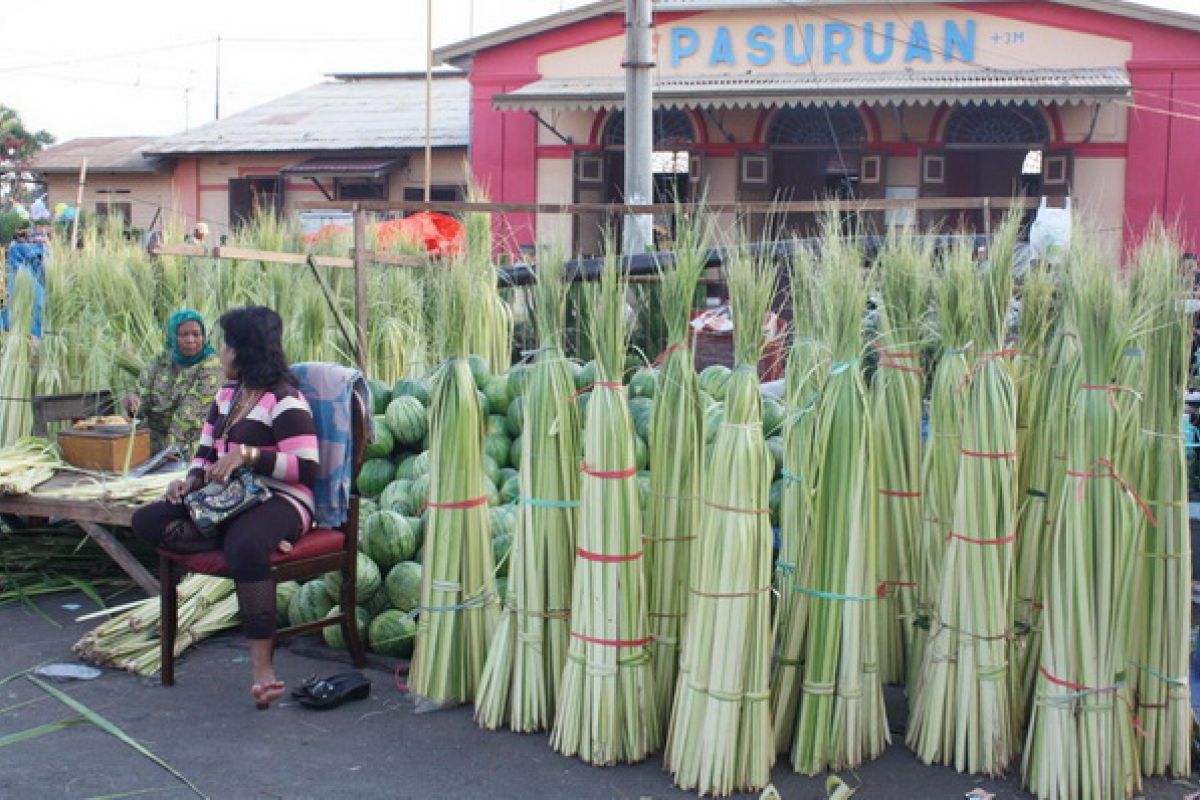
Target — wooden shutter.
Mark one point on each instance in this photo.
(1058, 167)
(588, 172)
(934, 182)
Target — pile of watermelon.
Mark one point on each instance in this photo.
(394, 487)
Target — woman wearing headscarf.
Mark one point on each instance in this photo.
(176, 388)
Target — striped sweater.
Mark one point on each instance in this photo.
(281, 426)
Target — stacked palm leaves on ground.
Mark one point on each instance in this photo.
(1081, 739)
(526, 658)
(963, 715)
(1040, 414)
(1161, 622)
(130, 641)
(676, 459)
(607, 712)
(897, 394)
(808, 366)
(956, 307)
(841, 720)
(459, 605)
(721, 737)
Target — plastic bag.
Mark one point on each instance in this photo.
(1050, 234)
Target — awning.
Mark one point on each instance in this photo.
(909, 87)
(342, 168)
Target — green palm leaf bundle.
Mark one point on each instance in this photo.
(721, 738)
(607, 709)
(525, 661)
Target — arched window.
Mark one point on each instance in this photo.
(672, 128)
(1010, 123)
(820, 127)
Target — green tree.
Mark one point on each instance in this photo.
(18, 143)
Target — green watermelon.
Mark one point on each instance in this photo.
(378, 603)
(284, 592)
(643, 483)
(501, 546)
(502, 589)
(367, 584)
(366, 507)
(417, 524)
(714, 379)
(481, 369)
(775, 445)
(381, 395)
(644, 383)
(706, 400)
(412, 387)
(588, 375)
(497, 424)
(408, 420)
(404, 469)
(582, 401)
(493, 492)
(772, 416)
(491, 469)
(641, 409)
(397, 497)
(332, 634)
(403, 585)
(485, 408)
(503, 520)
(641, 453)
(375, 475)
(392, 633)
(506, 473)
(498, 394)
(422, 464)
(518, 380)
(510, 490)
(516, 417)
(310, 603)
(390, 539)
(420, 491)
(496, 447)
(514, 453)
(383, 443)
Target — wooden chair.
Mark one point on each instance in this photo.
(319, 551)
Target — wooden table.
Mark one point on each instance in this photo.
(91, 516)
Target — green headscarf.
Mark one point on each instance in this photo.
(177, 319)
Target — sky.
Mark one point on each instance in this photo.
(144, 70)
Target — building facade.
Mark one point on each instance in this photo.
(1096, 100)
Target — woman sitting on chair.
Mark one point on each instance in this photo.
(261, 421)
(177, 386)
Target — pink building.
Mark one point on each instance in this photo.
(1095, 99)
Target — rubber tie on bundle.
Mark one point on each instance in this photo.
(1111, 472)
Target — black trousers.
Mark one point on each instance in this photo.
(247, 540)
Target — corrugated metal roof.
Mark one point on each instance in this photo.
(376, 114)
(908, 87)
(103, 153)
(458, 52)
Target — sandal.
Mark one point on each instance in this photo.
(265, 694)
(333, 691)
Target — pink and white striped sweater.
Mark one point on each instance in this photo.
(281, 426)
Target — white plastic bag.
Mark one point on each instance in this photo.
(1050, 234)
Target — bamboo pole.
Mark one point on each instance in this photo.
(79, 200)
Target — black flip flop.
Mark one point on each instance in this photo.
(335, 690)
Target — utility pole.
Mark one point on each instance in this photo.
(217, 110)
(428, 98)
(639, 123)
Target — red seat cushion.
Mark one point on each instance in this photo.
(317, 542)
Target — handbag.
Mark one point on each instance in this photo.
(215, 503)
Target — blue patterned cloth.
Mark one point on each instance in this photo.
(329, 389)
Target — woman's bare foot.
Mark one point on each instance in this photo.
(265, 693)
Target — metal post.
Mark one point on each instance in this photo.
(360, 288)
(79, 202)
(428, 98)
(639, 122)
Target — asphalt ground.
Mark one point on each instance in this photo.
(207, 729)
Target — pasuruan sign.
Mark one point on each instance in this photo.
(829, 43)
